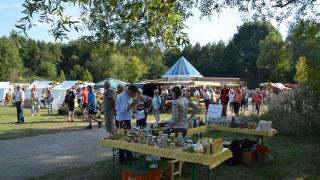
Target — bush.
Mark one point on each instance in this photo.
(294, 112)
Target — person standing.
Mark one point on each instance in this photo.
(124, 116)
(79, 96)
(84, 95)
(244, 100)
(109, 107)
(142, 103)
(49, 101)
(69, 100)
(207, 99)
(92, 105)
(120, 88)
(19, 104)
(34, 103)
(156, 105)
(237, 101)
(231, 98)
(179, 120)
(257, 101)
(224, 97)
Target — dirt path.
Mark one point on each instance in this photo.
(33, 156)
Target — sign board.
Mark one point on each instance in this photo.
(214, 110)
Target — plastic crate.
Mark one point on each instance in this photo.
(140, 173)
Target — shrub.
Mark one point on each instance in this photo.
(294, 112)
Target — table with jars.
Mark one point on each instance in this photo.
(205, 151)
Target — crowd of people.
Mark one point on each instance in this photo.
(115, 100)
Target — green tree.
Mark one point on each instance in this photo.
(304, 41)
(273, 61)
(61, 77)
(135, 69)
(242, 52)
(100, 64)
(301, 70)
(77, 72)
(152, 20)
(87, 77)
(11, 63)
(73, 53)
(149, 54)
(47, 70)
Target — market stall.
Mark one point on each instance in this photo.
(113, 82)
(4, 90)
(59, 92)
(39, 87)
(210, 159)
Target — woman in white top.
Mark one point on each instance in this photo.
(156, 105)
(34, 103)
(231, 97)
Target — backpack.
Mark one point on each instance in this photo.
(147, 102)
(69, 96)
(235, 147)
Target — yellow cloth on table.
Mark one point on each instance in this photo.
(205, 159)
(269, 133)
(201, 129)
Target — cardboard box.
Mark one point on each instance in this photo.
(216, 148)
(249, 157)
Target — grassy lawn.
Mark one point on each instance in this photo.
(289, 158)
(42, 124)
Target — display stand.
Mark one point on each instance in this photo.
(194, 158)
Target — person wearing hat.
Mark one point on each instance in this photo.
(19, 104)
(142, 103)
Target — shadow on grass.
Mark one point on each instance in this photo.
(18, 133)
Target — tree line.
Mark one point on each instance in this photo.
(257, 52)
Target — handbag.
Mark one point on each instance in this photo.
(147, 103)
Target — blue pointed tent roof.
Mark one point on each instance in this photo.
(114, 83)
(182, 68)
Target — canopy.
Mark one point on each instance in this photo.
(59, 93)
(4, 88)
(114, 83)
(39, 85)
(182, 68)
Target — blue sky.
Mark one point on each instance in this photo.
(220, 27)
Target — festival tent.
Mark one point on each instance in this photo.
(60, 91)
(114, 83)
(4, 89)
(182, 70)
(39, 85)
(279, 86)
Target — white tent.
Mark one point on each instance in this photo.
(4, 88)
(60, 91)
(39, 85)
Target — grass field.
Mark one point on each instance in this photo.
(42, 124)
(289, 158)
